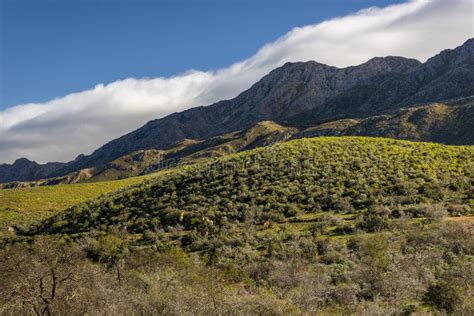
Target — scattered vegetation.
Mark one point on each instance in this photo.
(314, 226)
(27, 205)
(375, 179)
(448, 123)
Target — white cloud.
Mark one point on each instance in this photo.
(60, 129)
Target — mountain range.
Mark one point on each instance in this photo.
(392, 97)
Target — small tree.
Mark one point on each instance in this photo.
(374, 220)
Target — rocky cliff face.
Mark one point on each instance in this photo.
(302, 95)
(446, 76)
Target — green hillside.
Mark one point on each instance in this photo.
(285, 181)
(190, 151)
(27, 205)
(436, 122)
(326, 226)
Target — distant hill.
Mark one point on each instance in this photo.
(302, 95)
(23, 170)
(451, 123)
(184, 152)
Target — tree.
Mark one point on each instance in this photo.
(50, 277)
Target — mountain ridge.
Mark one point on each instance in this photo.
(301, 94)
(434, 122)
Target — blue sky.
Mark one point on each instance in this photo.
(50, 48)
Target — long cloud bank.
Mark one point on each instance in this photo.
(60, 129)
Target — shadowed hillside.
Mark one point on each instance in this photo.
(185, 152)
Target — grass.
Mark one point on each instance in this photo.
(27, 205)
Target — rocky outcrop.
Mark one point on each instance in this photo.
(446, 76)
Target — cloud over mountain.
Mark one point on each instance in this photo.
(77, 123)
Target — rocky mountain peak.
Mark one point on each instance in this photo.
(23, 163)
(463, 54)
(79, 157)
(391, 63)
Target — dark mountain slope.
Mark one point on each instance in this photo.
(184, 152)
(448, 75)
(23, 170)
(450, 123)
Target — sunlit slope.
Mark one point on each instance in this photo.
(346, 175)
(23, 206)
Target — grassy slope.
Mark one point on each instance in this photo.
(23, 206)
(284, 183)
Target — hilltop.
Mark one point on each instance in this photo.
(307, 176)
